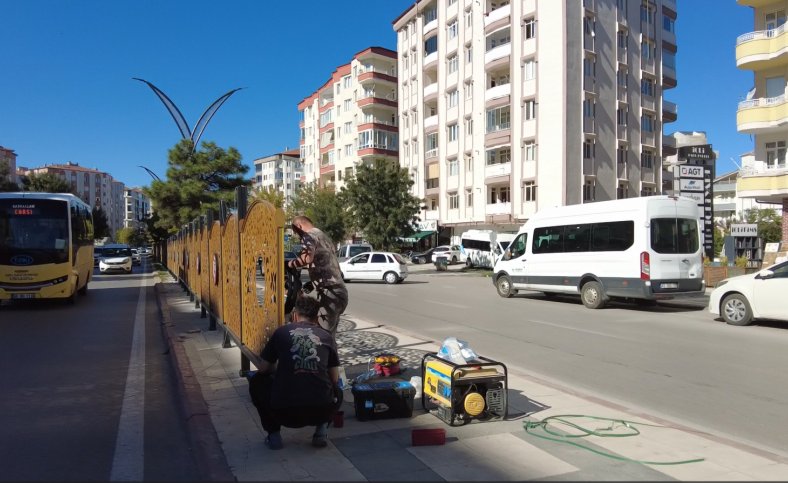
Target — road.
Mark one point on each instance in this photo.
(670, 361)
(89, 391)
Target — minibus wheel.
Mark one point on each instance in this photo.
(593, 296)
(504, 286)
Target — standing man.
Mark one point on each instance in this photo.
(319, 256)
(297, 382)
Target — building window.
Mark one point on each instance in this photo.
(621, 155)
(529, 69)
(589, 190)
(589, 149)
(498, 119)
(621, 79)
(775, 154)
(669, 59)
(589, 108)
(648, 50)
(346, 82)
(469, 197)
(431, 45)
(530, 151)
(621, 40)
(589, 66)
(468, 127)
(348, 127)
(621, 116)
(454, 167)
(453, 131)
(346, 104)
(468, 163)
(499, 156)
(647, 13)
(454, 201)
(647, 191)
(647, 87)
(529, 110)
(529, 191)
(468, 54)
(529, 28)
(647, 159)
(452, 64)
(451, 29)
(469, 89)
(648, 123)
(622, 191)
(453, 98)
(501, 194)
(668, 24)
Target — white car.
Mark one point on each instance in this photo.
(115, 258)
(760, 295)
(386, 266)
(452, 253)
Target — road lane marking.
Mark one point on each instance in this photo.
(447, 304)
(594, 332)
(128, 464)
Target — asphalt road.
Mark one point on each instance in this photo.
(669, 361)
(82, 401)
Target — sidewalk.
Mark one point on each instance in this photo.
(216, 398)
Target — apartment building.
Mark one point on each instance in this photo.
(94, 187)
(9, 157)
(351, 119)
(137, 207)
(764, 114)
(510, 106)
(280, 171)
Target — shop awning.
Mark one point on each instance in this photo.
(414, 238)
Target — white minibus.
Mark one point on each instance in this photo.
(646, 248)
(484, 247)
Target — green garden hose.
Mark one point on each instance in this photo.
(531, 427)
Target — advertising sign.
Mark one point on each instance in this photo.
(686, 171)
(698, 154)
(690, 184)
(744, 230)
(427, 225)
(697, 196)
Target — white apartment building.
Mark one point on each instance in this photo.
(351, 119)
(510, 106)
(280, 171)
(137, 207)
(729, 207)
(94, 187)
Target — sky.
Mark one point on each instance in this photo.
(66, 69)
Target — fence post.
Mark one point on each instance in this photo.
(241, 205)
(211, 316)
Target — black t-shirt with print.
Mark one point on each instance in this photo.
(303, 353)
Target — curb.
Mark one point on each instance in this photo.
(208, 454)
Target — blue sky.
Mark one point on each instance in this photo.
(67, 94)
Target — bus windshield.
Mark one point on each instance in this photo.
(674, 235)
(33, 231)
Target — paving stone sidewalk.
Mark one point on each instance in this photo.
(480, 451)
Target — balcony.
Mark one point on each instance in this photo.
(621, 170)
(671, 4)
(588, 167)
(431, 215)
(623, 133)
(647, 174)
(669, 111)
(589, 125)
(430, 91)
(762, 115)
(498, 208)
(762, 49)
(497, 92)
(498, 170)
(621, 94)
(589, 5)
(431, 153)
(500, 52)
(430, 26)
(430, 60)
(621, 54)
(724, 187)
(431, 123)
(647, 138)
(432, 187)
(724, 207)
(371, 98)
(372, 75)
(497, 18)
(589, 83)
(647, 65)
(769, 184)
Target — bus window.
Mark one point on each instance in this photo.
(674, 235)
(517, 247)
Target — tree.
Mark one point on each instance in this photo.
(269, 194)
(196, 181)
(131, 236)
(45, 183)
(100, 224)
(379, 200)
(768, 221)
(324, 207)
(156, 233)
(5, 177)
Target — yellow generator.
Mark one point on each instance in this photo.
(460, 393)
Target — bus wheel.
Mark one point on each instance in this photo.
(72, 299)
(504, 286)
(593, 296)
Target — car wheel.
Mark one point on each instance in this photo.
(593, 296)
(735, 309)
(504, 286)
(390, 277)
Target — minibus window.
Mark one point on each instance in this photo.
(517, 247)
(674, 235)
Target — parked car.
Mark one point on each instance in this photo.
(387, 266)
(452, 252)
(740, 300)
(115, 257)
(136, 258)
(351, 250)
(97, 255)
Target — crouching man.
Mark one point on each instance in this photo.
(297, 383)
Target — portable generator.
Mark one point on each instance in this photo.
(460, 393)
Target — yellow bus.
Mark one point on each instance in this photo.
(46, 246)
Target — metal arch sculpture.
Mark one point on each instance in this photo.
(180, 121)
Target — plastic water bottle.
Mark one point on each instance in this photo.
(415, 381)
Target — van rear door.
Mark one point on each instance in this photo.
(674, 246)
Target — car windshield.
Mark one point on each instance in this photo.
(116, 252)
(399, 258)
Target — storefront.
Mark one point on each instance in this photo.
(425, 237)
